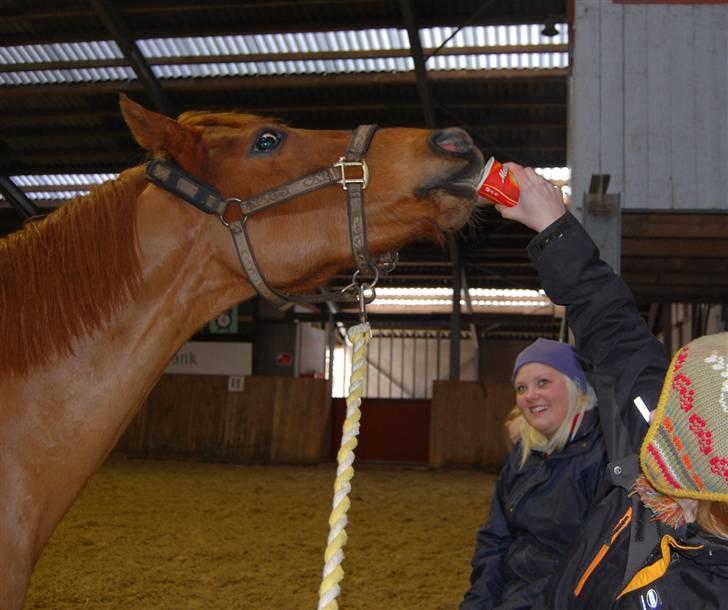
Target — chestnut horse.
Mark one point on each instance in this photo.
(97, 298)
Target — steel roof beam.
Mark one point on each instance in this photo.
(217, 58)
(419, 60)
(17, 199)
(300, 81)
(114, 23)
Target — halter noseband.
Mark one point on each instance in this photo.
(172, 178)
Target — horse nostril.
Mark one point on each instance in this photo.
(452, 140)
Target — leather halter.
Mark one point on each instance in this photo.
(172, 178)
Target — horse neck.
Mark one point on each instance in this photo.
(190, 271)
(63, 419)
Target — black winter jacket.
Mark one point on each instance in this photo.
(621, 558)
(533, 515)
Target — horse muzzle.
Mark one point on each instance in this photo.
(463, 180)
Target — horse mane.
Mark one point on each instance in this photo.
(234, 120)
(63, 277)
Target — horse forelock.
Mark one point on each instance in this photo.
(64, 277)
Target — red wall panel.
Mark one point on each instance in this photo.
(390, 430)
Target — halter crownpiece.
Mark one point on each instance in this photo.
(172, 178)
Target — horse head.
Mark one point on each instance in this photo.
(421, 183)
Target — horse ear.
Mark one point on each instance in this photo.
(156, 132)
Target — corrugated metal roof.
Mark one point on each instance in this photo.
(59, 187)
(491, 36)
(60, 52)
(278, 68)
(75, 75)
(484, 48)
(297, 42)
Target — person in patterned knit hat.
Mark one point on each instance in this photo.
(663, 543)
(684, 456)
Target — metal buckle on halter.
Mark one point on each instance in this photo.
(342, 164)
(233, 224)
(387, 262)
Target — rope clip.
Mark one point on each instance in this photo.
(363, 292)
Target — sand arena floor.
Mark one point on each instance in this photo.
(148, 535)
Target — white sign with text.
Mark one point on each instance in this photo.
(213, 358)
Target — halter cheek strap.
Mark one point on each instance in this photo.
(170, 177)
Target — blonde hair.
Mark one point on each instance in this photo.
(579, 403)
(712, 517)
(513, 426)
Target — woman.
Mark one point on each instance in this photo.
(550, 480)
(557, 471)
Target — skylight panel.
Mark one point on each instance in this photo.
(76, 75)
(58, 187)
(46, 180)
(60, 51)
(300, 42)
(55, 195)
(484, 48)
(83, 75)
(309, 66)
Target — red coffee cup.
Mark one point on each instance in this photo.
(498, 184)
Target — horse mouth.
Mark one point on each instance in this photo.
(462, 184)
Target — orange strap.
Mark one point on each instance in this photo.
(616, 531)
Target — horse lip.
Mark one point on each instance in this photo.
(462, 183)
(463, 190)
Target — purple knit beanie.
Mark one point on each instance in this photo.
(561, 356)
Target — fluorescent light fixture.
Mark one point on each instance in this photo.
(482, 300)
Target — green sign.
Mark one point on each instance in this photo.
(226, 323)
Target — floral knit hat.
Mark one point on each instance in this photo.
(685, 452)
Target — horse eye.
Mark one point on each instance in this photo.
(267, 141)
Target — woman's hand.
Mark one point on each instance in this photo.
(540, 204)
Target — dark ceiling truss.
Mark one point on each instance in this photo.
(114, 62)
(17, 199)
(423, 89)
(114, 23)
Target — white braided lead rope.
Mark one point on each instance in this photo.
(333, 573)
